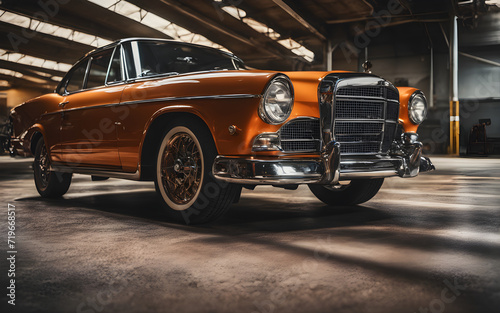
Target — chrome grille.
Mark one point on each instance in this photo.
(365, 114)
(301, 135)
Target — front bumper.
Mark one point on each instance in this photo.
(405, 160)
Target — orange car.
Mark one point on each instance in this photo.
(201, 126)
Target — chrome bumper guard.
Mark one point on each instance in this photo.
(405, 160)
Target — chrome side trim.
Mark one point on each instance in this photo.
(368, 175)
(95, 171)
(166, 99)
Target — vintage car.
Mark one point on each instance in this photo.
(201, 125)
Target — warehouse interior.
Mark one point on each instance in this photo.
(109, 249)
(408, 43)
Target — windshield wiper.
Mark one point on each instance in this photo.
(147, 74)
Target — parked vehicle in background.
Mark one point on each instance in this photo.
(5, 133)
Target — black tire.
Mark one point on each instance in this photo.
(184, 177)
(48, 183)
(356, 192)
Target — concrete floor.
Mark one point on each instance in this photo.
(429, 244)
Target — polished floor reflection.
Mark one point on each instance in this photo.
(428, 244)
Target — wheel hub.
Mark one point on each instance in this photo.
(181, 168)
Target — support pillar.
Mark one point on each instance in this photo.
(454, 147)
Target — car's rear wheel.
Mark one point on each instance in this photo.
(49, 184)
(184, 175)
(355, 192)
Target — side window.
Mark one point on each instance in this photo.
(77, 77)
(99, 69)
(115, 70)
(129, 60)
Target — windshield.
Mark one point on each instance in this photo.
(158, 58)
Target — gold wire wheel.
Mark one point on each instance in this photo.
(181, 168)
(43, 167)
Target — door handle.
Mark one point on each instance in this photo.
(62, 104)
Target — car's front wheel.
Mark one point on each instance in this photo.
(49, 184)
(184, 177)
(355, 192)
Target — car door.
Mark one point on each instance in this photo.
(88, 128)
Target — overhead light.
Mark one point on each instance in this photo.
(289, 43)
(35, 79)
(493, 2)
(20, 75)
(258, 26)
(10, 73)
(4, 83)
(33, 61)
(154, 21)
(51, 29)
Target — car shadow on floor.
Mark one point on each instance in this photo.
(260, 216)
(270, 215)
(256, 222)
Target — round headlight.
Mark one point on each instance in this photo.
(277, 102)
(417, 107)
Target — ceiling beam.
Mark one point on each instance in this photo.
(256, 39)
(18, 66)
(26, 70)
(88, 18)
(299, 18)
(21, 82)
(207, 22)
(42, 45)
(203, 18)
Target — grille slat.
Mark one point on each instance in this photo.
(390, 130)
(392, 111)
(301, 146)
(367, 91)
(353, 148)
(301, 135)
(348, 128)
(359, 109)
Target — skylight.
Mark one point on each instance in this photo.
(51, 29)
(152, 20)
(20, 75)
(289, 43)
(33, 61)
(10, 73)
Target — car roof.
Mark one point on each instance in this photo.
(120, 41)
